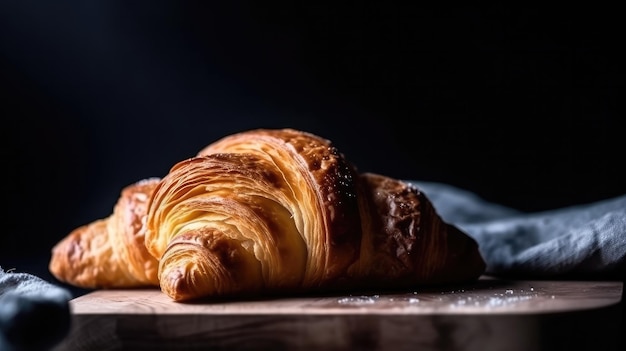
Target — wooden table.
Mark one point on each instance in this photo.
(491, 314)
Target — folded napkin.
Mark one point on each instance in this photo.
(34, 314)
(577, 242)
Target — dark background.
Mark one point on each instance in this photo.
(520, 105)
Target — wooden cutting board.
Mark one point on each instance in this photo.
(490, 314)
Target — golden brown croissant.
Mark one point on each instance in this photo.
(110, 252)
(284, 211)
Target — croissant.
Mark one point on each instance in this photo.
(283, 211)
(110, 252)
(267, 211)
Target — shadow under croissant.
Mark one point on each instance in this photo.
(481, 285)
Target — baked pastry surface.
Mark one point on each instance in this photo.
(279, 211)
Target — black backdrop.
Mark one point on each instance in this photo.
(520, 105)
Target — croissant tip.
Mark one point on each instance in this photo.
(175, 284)
(467, 264)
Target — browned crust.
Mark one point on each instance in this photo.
(129, 215)
(110, 252)
(411, 244)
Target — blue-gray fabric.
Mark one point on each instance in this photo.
(582, 241)
(34, 314)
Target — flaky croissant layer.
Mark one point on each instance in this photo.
(110, 252)
(280, 211)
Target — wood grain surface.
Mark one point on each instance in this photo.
(490, 314)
